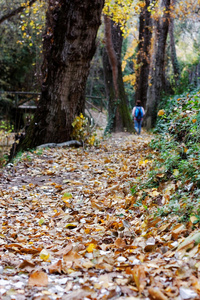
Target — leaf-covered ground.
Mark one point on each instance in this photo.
(70, 228)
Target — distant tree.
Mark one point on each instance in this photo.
(175, 63)
(143, 53)
(118, 112)
(157, 64)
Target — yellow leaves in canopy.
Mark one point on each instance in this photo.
(131, 78)
(194, 120)
(120, 11)
(161, 112)
(32, 24)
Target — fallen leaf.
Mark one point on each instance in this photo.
(120, 243)
(187, 293)
(157, 294)
(65, 250)
(45, 255)
(161, 112)
(56, 268)
(139, 277)
(91, 247)
(38, 278)
(27, 265)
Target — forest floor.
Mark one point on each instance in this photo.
(70, 228)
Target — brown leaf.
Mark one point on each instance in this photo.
(139, 277)
(120, 243)
(27, 265)
(32, 250)
(78, 294)
(38, 278)
(156, 294)
(65, 250)
(45, 297)
(104, 266)
(56, 268)
(71, 256)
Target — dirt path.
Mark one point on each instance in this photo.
(67, 232)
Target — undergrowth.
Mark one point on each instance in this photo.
(173, 181)
(82, 131)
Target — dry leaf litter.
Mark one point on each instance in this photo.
(70, 229)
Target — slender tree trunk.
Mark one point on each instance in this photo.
(156, 74)
(174, 59)
(119, 118)
(143, 58)
(69, 45)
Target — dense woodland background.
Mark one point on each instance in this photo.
(147, 50)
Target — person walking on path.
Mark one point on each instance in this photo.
(138, 114)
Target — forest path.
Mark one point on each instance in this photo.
(69, 229)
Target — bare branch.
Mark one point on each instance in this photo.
(16, 11)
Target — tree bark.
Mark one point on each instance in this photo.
(111, 53)
(174, 59)
(156, 74)
(143, 58)
(69, 45)
(119, 118)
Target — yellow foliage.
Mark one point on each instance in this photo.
(161, 112)
(44, 255)
(90, 248)
(82, 131)
(33, 21)
(130, 78)
(122, 11)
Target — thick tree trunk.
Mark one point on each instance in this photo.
(69, 45)
(156, 74)
(143, 58)
(119, 118)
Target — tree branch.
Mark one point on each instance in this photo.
(16, 11)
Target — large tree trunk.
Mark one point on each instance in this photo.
(119, 118)
(156, 74)
(143, 58)
(69, 45)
